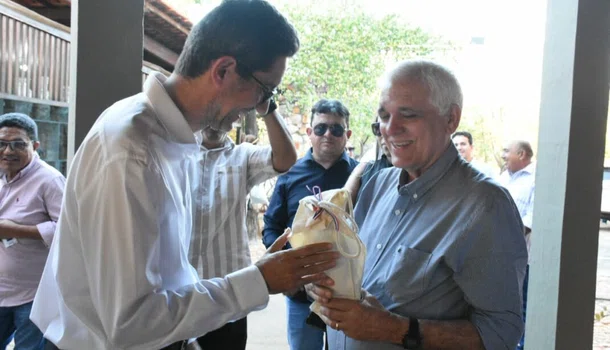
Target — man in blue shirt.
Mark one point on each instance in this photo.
(326, 165)
(446, 253)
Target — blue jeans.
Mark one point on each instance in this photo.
(15, 321)
(525, 280)
(302, 336)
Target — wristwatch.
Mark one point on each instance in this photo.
(413, 339)
(272, 107)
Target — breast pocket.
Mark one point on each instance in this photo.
(408, 275)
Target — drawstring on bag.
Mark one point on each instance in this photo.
(321, 206)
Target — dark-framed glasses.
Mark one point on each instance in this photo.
(337, 130)
(267, 93)
(375, 129)
(15, 145)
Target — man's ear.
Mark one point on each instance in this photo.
(454, 117)
(35, 145)
(222, 69)
(309, 131)
(348, 133)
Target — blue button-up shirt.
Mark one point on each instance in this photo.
(450, 247)
(292, 187)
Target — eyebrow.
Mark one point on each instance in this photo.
(400, 109)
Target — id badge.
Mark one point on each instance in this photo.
(9, 242)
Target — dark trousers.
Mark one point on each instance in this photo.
(525, 283)
(176, 346)
(231, 336)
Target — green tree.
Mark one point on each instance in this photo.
(342, 56)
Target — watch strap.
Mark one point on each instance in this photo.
(412, 340)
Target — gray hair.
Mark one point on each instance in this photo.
(443, 86)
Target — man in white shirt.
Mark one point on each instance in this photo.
(219, 243)
(464, 144)
(519, 179)
(118, 275)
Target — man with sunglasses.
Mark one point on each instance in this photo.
(326, 165)
(118, 274)
(30, 200)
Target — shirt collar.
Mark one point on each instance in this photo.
(422, 184)
(309, 157)
(530, 168)
(25, 171)
(166, 110)
(229, 144)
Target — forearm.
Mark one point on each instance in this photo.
(436, 335)
(450, 335)
(283, 151)
(353, 183)
(10, 230)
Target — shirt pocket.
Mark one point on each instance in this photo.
(408, 274)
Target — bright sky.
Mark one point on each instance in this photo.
(503, 73)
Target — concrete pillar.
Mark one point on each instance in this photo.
(105, 60)
(573, 113)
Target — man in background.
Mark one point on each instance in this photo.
(328, 166)
(464, 143)
(519, 179)
(30, 201)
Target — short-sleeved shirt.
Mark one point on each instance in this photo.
(33, 197)
(446, 246)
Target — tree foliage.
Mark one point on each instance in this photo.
(342, 56)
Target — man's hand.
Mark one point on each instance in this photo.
(287, 270)
(363, 320)
(320, 291)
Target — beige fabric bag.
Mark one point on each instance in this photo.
(327, 217)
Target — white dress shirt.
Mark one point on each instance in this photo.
(118, 275)
(521, 185)
(219, 244)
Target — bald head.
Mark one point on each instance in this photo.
(517, 155)
(442, 85)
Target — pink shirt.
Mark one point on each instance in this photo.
(33, 197)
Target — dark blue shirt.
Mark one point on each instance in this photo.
(292, 187)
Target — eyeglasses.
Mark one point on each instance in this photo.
(337, 130)
(375, 129)
(15, 145)
(267, 93)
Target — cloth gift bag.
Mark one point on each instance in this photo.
(328, 217)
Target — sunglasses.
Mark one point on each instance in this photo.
(375, 129)
(337, 130)
(15, 145)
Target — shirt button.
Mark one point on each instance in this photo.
(397, 212)
(378, 246)
(415, 196)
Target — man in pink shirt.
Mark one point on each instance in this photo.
(30, 200)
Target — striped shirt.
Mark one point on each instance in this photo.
(219, 242)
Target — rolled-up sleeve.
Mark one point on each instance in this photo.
(491, 271)
(52, 196)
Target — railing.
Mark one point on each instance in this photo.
(35, 57)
